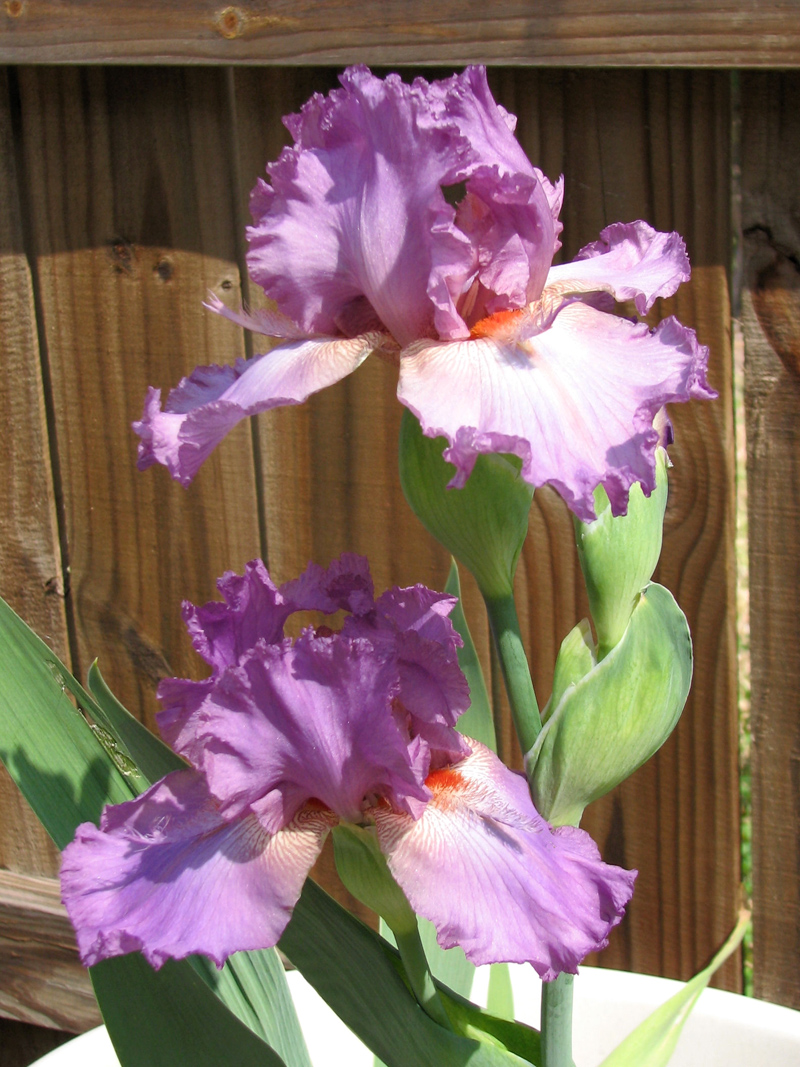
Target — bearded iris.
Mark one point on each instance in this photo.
(356, 242)
(285, 740)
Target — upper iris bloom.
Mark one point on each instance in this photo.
(287, 739)
(357, 244)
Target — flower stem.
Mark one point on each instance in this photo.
(503, 620)
(416, 966)
(557, 1022)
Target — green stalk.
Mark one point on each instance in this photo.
(557, 1022)
(503, 620)
(416, 966)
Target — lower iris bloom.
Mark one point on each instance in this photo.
(285, 740)
(359, 246)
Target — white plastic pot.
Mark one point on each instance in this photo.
(724, 1030)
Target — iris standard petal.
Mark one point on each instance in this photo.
(309, 720)
(494, 878)
(344, 585)
(165, 874)
(631, 261)
(206, 406)
(575, 401)
(254, 609)
(346, 214)
(412, 624)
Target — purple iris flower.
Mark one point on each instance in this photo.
(361, 251)
(285, 740)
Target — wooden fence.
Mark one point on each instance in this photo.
(123, 193)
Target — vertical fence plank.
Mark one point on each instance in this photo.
(771, 322)
(132, 223)
(31, 578)
(30, 562)
(655, 146)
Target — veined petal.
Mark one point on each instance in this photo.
(206, 406)
(632, 261)
(575, 402)
(494, 878)
(165, 874)
(309, 720)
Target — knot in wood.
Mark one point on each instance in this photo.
(230, 23)
(14, 8)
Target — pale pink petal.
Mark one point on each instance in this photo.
(206, 406)
(575, 402)
(632, 261)
(486, 869)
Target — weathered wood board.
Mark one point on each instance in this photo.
(584, 33)
(771, 322)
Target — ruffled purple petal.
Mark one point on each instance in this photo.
(575, 402)
(166, 875)
(632, 261)
(309, 720)
(345, 585)
(423, 610)
(356, 209)
(412, 625)
(346, 214)
(206, 406)
(254, 609)
(494, 878)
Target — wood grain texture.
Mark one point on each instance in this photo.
(41, 978)
(31, 580)
(30, 561)
(742, 33)
(771, 322)
(132, 224)
(655, 146)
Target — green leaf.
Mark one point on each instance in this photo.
(652, 1043)
(170, 1017)
(68, 773)
(360, 976)
(477, 720)
(252, 984)
(500, 1001)
(50, 750)
(153, 758)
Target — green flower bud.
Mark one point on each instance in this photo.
(605, 725)
(484, 524)
(576, 658)
(363, 870)
(619, 554)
